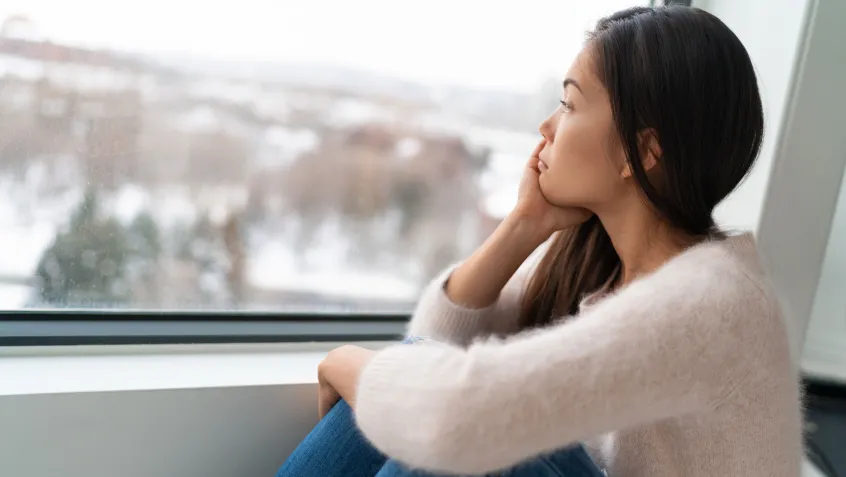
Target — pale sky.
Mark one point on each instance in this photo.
(484, 43)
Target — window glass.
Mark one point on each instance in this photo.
(311, 155)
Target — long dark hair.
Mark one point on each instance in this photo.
(680, 73)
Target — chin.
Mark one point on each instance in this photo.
(559, 201)
(548, 190)
(553, 198)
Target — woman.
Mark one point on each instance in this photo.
(655, 338)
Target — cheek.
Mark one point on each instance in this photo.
(582, 171)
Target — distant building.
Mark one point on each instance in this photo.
(112, 123)
(81, 100)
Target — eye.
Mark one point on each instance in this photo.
(565, 106)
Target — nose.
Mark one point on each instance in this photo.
(547, 128)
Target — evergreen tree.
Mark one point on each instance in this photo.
(86, 264)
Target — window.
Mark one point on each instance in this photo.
(287, 157)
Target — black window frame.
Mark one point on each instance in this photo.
(57, 327)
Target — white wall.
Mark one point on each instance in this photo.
(156, 410)
(209, 432)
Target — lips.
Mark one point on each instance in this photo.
(542, 165)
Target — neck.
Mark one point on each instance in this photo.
(643, 241)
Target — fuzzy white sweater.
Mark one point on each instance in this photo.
(682, 373)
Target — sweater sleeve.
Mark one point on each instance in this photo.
(657, 349)
(437, 317)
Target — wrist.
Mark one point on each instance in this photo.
(527, 229)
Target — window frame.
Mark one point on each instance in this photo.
(136, 327)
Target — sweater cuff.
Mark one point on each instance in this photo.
(442, 319)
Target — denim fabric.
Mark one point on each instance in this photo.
(571, 462)
(336, 448)
(415, 339)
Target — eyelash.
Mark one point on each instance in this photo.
(567, 106)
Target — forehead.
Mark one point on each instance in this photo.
(583, 71)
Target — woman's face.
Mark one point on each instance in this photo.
(583, 162)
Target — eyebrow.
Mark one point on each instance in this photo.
(571, 81)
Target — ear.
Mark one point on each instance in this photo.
(650, 151)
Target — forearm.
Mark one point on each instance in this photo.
(440, 408)
(478, 282)
(482, 296)
(611, 368)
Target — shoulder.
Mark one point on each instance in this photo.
(739, 311)
(720, 289)
(714, 302)
(715, 287)
(723, 272)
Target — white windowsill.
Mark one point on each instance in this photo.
(157, 367)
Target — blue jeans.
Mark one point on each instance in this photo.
(336, 448)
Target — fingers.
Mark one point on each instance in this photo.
(538, 148)
(533, 164)
(326, 402)
(327, 397)
(534, 158)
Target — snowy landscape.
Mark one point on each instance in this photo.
(135, 182)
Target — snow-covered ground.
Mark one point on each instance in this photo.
(29, 217)
(23, 68)
(13, 297)
(272, 262)
(28, 223)
(23, 246)
(281, 145)
(274, 266)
